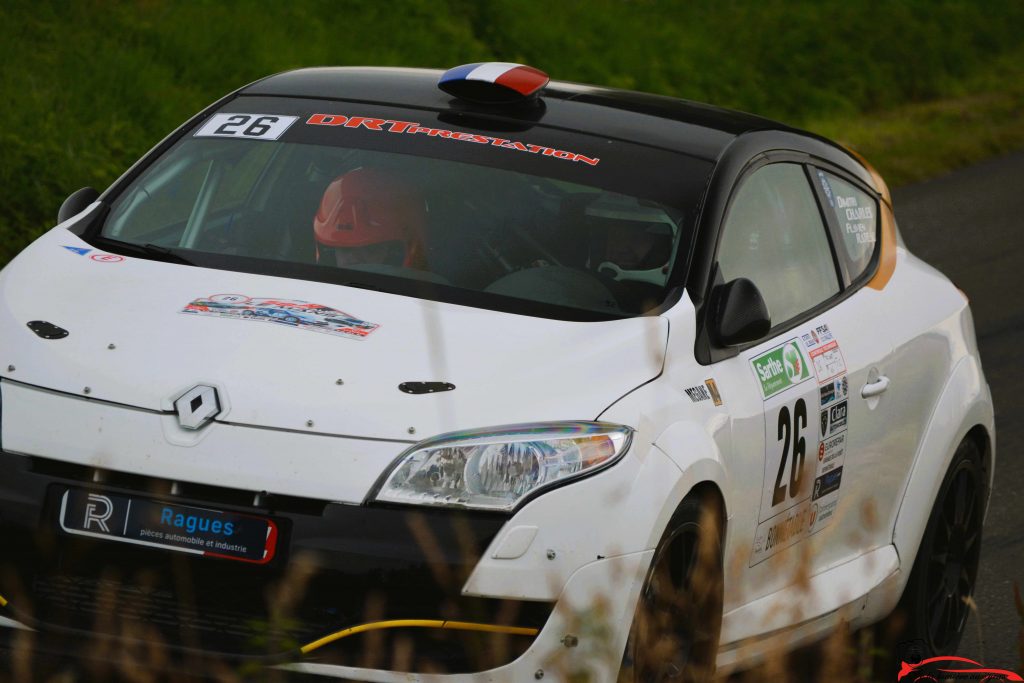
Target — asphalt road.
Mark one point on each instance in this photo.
(970, 225)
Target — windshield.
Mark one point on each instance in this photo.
(510, 219)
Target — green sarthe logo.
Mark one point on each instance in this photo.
(781, 368)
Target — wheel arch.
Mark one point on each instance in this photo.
(697, 455)
(709, 493)
(983, 439)
(964, 411)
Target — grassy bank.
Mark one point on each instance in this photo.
(979, 118)
(919, 87)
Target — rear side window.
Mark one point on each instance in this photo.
(774, 236)
(857, 219)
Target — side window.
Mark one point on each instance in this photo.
(774, 236)
(857, 217)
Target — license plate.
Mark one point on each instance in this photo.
(185, 529)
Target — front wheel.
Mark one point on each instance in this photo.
(678, 618)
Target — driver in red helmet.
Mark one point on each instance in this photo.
(369, 216)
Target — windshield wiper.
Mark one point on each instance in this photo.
(153, 251)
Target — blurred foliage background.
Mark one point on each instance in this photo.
(918, 86)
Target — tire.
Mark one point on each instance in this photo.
(678, 619)
(934, 608)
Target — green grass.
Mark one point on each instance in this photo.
(984, 117)
(919, 86)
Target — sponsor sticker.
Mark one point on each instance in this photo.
(860, 220)
(833, 419)
(804, 456)
(835, 390)
(780, 532)
(291, 312)
(781, 368)
(99, 257)
(827, 483)
(246, 126)
(698, 393)
(828, 361)
(831, 453)
(827, 189)
(181, 528)
(107, 258)
(823, 333)
(713, 388)
(821, 514)
(413, 128)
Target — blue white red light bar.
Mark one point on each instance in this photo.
(493, 82)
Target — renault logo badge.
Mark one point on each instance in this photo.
(197, 406)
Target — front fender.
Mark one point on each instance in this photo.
(619, 511)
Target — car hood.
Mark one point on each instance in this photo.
(131, 341)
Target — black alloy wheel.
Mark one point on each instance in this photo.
(678, 619)
(937, 599)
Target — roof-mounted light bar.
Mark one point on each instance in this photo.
(494, 82)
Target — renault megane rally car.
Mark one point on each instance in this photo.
(604, 384)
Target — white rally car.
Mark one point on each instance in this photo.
(391, 375)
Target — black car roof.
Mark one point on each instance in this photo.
(697, 129)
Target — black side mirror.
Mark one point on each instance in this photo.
(739, 313)
(76, 202)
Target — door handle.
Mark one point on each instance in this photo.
(875, 388)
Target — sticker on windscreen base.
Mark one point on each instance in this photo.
(107, 258)
(290, 312)
(246, 126)
(413, 128)
(99, 257)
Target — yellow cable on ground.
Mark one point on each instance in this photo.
(490, 628)
(418, 623)
(3, 601)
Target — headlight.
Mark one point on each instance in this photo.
(497, 469)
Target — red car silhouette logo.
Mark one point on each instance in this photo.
(941, 668)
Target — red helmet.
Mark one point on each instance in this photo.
(366, 207)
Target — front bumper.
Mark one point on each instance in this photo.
(337, 566)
